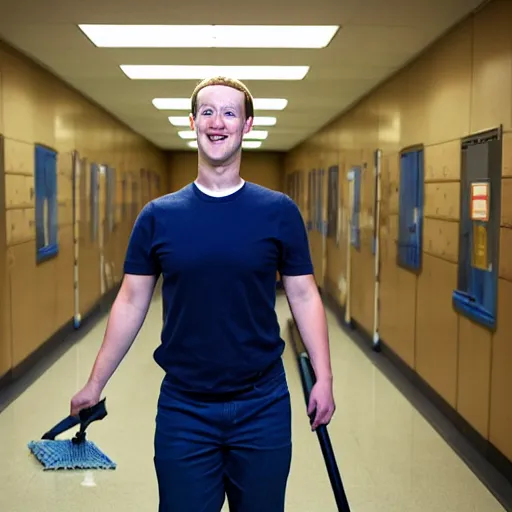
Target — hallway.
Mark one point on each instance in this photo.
(390, 459)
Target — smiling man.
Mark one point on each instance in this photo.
(223, 425)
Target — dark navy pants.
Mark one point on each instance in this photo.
(208, 449)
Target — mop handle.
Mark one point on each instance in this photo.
(62, 426)
(85, 418)
(308, 379)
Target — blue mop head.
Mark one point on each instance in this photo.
(76, 453)
(64, 454)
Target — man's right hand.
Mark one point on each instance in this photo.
(88, 396)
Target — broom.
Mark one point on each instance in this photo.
(75, 453)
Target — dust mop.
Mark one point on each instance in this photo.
(75, 453)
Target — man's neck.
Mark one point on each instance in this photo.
(218, 179)
(220, 192)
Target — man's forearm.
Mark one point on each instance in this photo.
(309, 314)
(123, 325)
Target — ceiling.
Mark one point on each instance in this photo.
(375, 39)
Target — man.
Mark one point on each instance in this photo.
(223, 424)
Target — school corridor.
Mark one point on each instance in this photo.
(389, 126)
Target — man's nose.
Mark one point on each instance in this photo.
(217, 121)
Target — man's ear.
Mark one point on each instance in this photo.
(192, 121)
(248, 124)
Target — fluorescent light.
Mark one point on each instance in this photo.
(256, 134)
(253, 134)
(258, 121)
(184, 103)
(247, 144)
(172, 103)
(209, 36)
(170, 72)
(270, 103)
(264, 121)
(179, 121)
(187, 134)
(251, 144)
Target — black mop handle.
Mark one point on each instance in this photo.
(308, 381)
(85, 418)
(62, 426)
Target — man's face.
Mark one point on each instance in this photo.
(220, 122)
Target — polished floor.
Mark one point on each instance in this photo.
(390, 458)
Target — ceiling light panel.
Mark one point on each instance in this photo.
(253, 144)
(258, 121)
(187, 134)
(184, 103)
(256, 135)
(179, 121)
(209, 36)
(270, 103)
(170, 72)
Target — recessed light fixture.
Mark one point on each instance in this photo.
(270, 103)
(247, 144)
(258, 121)
(170, 72)
(184, 103)
(253, 144)
(256, 135)
(187, 134)
(253, 134)
(209, 36)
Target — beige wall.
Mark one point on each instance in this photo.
(36, 108)
(462, 85)
(263, 168)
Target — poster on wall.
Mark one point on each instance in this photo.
(46, 206)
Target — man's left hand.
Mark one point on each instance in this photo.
(321, 402)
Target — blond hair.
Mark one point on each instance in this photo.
(228, 82)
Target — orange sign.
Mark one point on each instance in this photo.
(480, 201)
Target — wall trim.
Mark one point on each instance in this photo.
(488, 464)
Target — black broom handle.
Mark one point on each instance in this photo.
(308, 381)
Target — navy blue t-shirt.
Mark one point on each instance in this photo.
(218, 257)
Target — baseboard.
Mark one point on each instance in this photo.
(19, 378)
(492, 468)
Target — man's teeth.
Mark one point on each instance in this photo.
(217, 137)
